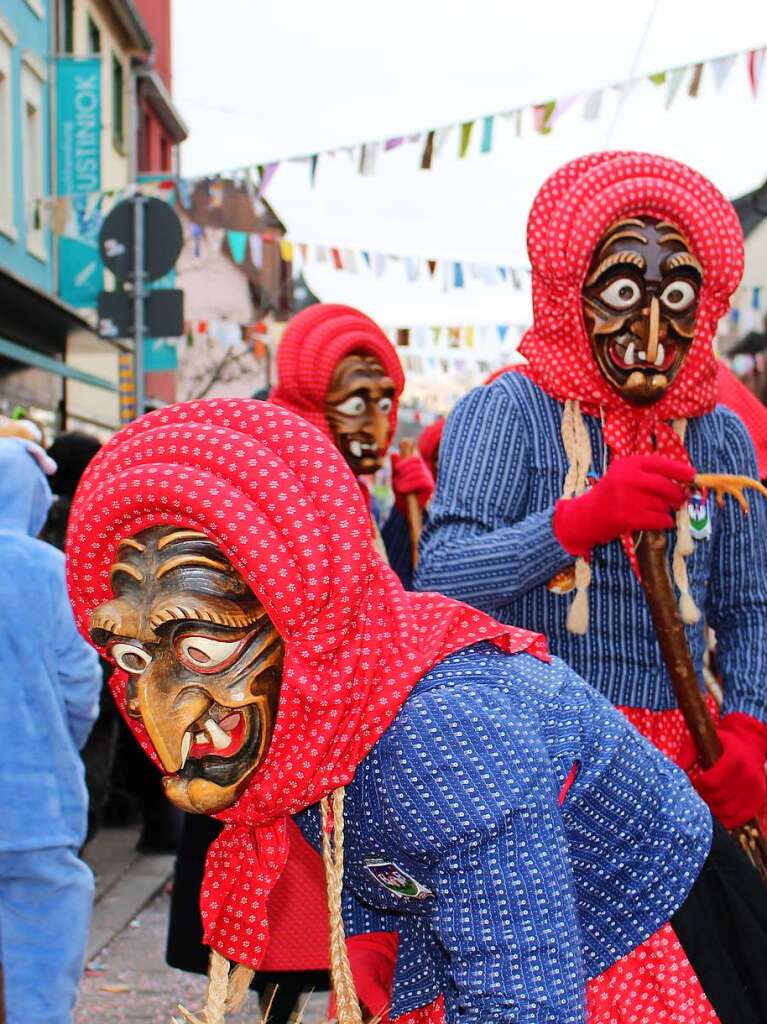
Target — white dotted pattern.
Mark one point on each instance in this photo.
(278, 499)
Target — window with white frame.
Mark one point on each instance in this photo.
(6, 136)
(33, 148)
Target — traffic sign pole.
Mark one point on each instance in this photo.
(138, 299)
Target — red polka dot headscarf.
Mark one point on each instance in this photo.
(314, 343)
(279, 500)
(570, 214)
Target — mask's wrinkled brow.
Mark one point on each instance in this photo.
(623, 230)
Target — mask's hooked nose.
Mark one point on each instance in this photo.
(167, 725)
(653, 330)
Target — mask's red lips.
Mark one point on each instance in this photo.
(212, 739)
(626, 354)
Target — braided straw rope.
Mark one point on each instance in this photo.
(683, 548)
(214, 1011)
(578, 449)
(332, 810)
(237, 989)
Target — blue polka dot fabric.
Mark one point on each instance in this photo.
(504, 899)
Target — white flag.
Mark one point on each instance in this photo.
(721, 68)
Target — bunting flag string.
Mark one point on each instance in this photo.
(431, 144)
(81, 217)
(543, 116)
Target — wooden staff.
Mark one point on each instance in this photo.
(659, 591)
(413, 512)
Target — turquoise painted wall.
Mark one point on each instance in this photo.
(33, 35)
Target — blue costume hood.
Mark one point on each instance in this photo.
(25, 496)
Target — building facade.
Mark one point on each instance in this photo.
(161, 128)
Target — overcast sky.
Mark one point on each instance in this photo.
(257, 81)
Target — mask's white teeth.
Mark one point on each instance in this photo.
(200, 737)
(643, 356)
(218, 737)
(660, 356)
(628, 358)
(185, 745)
(355, 448)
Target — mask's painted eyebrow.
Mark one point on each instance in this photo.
(622, 230)
(611, 261)
(128, 569)
(190, 611)
(682, 259)
(674, 236)
(131, 542)
(200, 561)
(177, 535)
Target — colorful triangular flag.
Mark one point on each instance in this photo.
(486, 144)
(674, 80)
(466, 128)
(694, 87)
(721, 68)
(238, 244)
(755, 67)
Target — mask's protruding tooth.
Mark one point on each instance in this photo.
(628, 358)
(218, 737)
(661, 355)
(185, 745)
(355, 448)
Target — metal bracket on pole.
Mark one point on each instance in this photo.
(139, 294)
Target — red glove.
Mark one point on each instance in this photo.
(736, 787)
(636, 493)
(410, 475)
(372, 958)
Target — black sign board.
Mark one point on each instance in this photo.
(115, 312)
(163, 239)
(163, 314)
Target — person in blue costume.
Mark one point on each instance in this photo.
(535, 855)
(49, 690)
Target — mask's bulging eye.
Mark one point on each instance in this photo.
(385, 404)
(130, 658)
(206, 654)
(678, 296)
(621, 294)
(354, 406)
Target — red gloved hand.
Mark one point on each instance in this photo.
(736, 787)
(636, 493)
(372, 958)
(410, 475)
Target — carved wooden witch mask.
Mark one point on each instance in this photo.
(640, 303)
(358, 409)
(204, 662)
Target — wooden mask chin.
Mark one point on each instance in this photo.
(203, 659)
(640, 302)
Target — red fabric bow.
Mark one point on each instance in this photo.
(277, 497)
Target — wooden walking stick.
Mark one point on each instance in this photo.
(661, 599)
(413, 512)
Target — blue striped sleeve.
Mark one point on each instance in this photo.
(481, 788)
(737, 595)
(482, 544)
